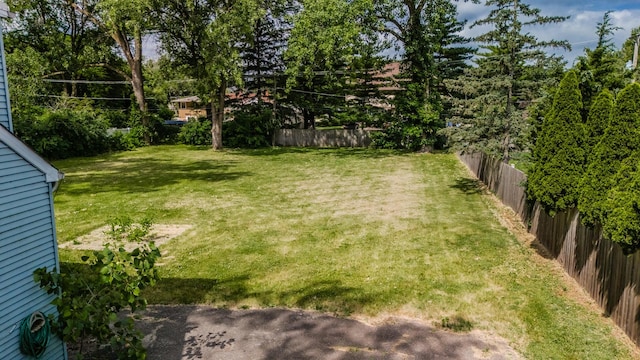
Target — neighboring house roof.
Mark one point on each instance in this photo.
(389, 78)
(51, 173)
(187, 99)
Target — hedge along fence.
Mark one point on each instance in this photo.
(323, 138)
(597, 264)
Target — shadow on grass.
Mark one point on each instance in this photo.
(468, 186)
(323, 295)
(146, 175)
(326, 295)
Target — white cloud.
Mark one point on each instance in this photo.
(579, 29)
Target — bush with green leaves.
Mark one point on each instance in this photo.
(196, 132)
(359, 113)
(415, 124)
(251, 127)
(622, 204)
(66, 132)
(90, 296)
(558, 155)
(620, 140)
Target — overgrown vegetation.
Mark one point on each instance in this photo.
(91, 295)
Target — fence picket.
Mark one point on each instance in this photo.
(597, 264)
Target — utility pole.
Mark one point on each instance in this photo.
(635, 52)
(634, 63)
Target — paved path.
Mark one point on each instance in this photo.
(199, 332)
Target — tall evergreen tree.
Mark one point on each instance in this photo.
(621, 223)
(501, 84)
(619, 142)
(598, 120)
(548, 74)
(558, 156)
(621, 216)
(262, 51)
(600, 68)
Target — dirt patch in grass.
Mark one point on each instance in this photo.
(395, 195)
(95, 240)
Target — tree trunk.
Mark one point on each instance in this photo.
(137, 82)
(74, 87)
(217, 116)
(309, 119)
(138, 91)
(133, 56)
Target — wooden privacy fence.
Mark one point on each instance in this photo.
(323, 138)
(597, 264)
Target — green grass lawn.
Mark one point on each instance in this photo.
(349, 232)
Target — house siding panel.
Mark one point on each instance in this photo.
(29, 205)
(18, 221)
(27, 242)
(41, 232)
(7, 156)
(19, 176)
(13, 267)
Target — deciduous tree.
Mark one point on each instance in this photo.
(327, 36)
(203, 38)
(427, 33)
(126, 22)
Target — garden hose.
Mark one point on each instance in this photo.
(34, 334)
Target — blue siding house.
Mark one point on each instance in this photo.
(27, 232)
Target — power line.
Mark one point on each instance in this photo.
(311, 92)
(87, 98)
(101, 82)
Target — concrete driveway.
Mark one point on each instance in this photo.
(200, 332)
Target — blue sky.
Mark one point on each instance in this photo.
(579, 29)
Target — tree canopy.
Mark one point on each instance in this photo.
(504, 80)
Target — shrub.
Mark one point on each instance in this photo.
(598, 120)
(252, 127)
(622, 203)
(619, 142)
(117, 119)
(63, 133)
(196, 132)
(416, 123)
(558, 155)
(90, 297)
